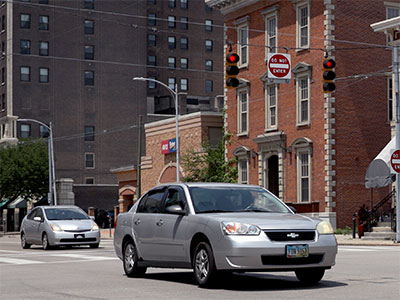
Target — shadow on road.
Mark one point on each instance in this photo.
(247, 282)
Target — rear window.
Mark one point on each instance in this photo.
(65, 214)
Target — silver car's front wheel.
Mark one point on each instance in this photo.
(204, 265)
(45, 242)
(130, 261)
(24, 243)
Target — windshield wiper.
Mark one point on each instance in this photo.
(213, 211)
(257, 210)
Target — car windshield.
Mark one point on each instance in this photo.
(65, 214)
(235, 199)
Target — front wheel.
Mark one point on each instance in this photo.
(24, 243)
(203, 265)
(130, 261)
(45, 242)
(310, 276)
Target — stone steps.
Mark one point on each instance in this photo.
(382, 231)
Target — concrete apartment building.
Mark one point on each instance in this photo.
(72, 63)
(310, 148)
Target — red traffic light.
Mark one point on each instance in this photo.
(232, 58)
(329, 63)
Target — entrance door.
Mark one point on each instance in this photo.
(272, 175)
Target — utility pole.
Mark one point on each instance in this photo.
(139, 158)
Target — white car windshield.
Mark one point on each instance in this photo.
(234, 199)
(65, 214)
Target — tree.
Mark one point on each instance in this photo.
(209, 165)
(24, 170)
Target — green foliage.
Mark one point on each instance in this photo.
(24, 170)
(346, 230)
(209, 165)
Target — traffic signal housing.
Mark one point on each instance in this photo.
(328, 75)
(232, 70)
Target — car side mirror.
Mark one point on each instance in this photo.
(37, 219)
(175, 210)
(293, 209)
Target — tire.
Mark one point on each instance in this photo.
(204, 269)
(24, 243)
(310, 276)
(130, 261)
(94, 245)
(45, 242)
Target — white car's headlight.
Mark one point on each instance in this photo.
(95, 227)
(324, 227)
(55, 227)
(233, 228)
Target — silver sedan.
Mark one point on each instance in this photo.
(59, 226)
(221, 228)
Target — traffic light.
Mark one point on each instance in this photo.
(232, 70)
(328, 75)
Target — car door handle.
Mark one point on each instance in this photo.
(160, 223)
(137, 222)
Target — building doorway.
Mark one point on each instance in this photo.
(272, 175)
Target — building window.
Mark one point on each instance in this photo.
(43, 22)
(25, 131)
(243, 109)
(171, 22)
(209, 25)
(303, 28)
(43, 131)
(89, 180)
(171, 83)
(151, 2)
(152, 84)
(89, 133)
(89, 52)
(43, 48)
(152, 60)
(43, 1)
(209, 65)
(25, 74)
(392, 12)
(184, 63)
(184, 43)
(184, 4)
(89, 160)
(3, 23)
(303, 101)
(151, 40)
(171, 62)
(209, 45)
(89, 77)
(184, 23)
(243, 171)
(303, 176)
(171, 3)
(3, 75)
(89, 4)
(3, 102)
(43, 75)
(209, 86)
(271, 33)
(209, 8)
(184, 84)
(171, 42)
(89, 27)
(271, 107)
(25, 21)
(390, 99)
(25, 46)
(243, 38)
(152, 19)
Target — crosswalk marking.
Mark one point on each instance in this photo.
(18, 261)
(85, 257)
(367, 248)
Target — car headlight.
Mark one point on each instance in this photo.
(95, 227)
(233, 228)
(55, 227)
(324, 227)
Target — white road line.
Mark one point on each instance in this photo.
(10, 251)
(85, 257)
(16, 261)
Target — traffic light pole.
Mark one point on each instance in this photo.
(396, 90)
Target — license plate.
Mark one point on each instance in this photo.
(79, 236)
(295, 251)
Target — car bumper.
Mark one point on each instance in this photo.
(74, 238)
(259, 253)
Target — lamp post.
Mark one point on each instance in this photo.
(175, 95)
(52, 172)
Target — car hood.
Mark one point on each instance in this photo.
(74, 225)
(272, 221)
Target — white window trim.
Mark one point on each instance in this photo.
(299, 6)
(94, 161)
(240, 159)
(268, 126)
(390, 97)
(243, 23)
(298, 99)
(299, 151)
(391, 5)
(240, 132)
(269, 14)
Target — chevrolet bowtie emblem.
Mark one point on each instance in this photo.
(292, 235)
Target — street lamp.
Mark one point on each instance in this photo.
(52, 172)
(175, 95)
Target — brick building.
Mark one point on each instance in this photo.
(309, 148)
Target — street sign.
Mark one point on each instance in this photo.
(395, 161)
(278, 66)
(168, 146)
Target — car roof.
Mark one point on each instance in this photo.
(59, 206)
(210, 184)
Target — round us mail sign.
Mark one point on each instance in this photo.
(279, 66)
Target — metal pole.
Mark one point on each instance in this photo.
(139, 158)
(53, 171)
(396, 89)
(50, 195)
(177, 132)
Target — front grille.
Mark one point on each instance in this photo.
(77, 230)
(284, 261)
(78, 240)
(295, 235)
